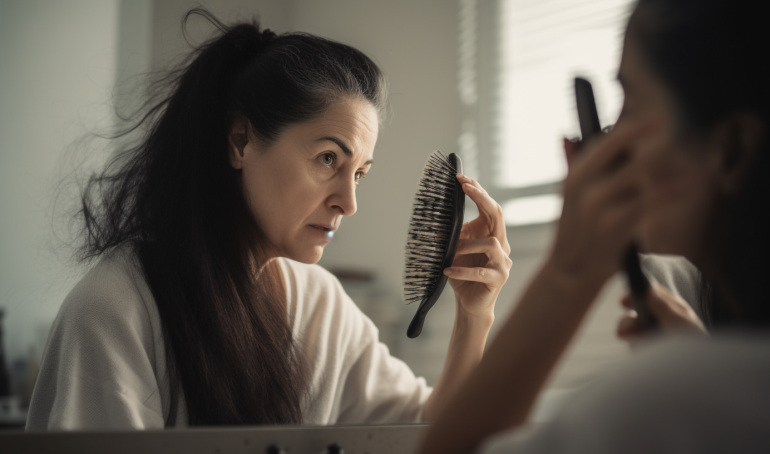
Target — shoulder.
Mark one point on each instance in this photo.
(681, 395)
(112, 295)
(699, 363)
(99, 365)
(683, 370)
(686, 385)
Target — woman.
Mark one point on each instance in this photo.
(206, 308)
(684, 172)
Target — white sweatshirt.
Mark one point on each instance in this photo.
(104, 365)
(679, 395)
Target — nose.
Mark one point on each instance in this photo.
(343, 200)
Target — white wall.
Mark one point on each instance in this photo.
(167, 41)
(57, 67)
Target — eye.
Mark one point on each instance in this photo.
(328, 159)
(360, 176)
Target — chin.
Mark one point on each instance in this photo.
(658, 239)
(309, 256)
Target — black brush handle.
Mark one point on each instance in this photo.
(415, 327)
(640, 286)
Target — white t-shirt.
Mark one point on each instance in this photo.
(104, 365)
(679, 395)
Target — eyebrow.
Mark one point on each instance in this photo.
(344, 147)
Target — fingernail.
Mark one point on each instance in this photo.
(448, 271)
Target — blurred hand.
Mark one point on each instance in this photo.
(481, 263)
(571, 148)
(673, 314)
(602, 205)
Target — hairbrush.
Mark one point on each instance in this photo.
(588, 118)
(434, 230)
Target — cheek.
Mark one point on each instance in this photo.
(282, 199)
(267, 193)
(677, 195)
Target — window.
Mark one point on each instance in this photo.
(518, 59)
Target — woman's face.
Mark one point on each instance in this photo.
(681, 171)
(299, 187)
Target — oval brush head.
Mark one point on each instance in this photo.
(434, 229)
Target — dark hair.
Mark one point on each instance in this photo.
(712, 53)
(174, 200)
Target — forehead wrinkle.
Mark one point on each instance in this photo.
(351, 135)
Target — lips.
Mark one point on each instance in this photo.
(324, 227)
(327, 230)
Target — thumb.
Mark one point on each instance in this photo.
(657, 302)
(671, 311)
(570, 150)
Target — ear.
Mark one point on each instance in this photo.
(740, 138)
(238, 139)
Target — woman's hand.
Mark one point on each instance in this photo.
(602, 206)
(479, 270)
(481, 264)
(601, 210)
(672, 313)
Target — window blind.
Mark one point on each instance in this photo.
(543, 45)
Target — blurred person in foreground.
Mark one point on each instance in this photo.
(683, 172)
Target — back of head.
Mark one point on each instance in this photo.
(711, 54)
(177, 201)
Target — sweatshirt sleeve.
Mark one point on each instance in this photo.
(353, 379)
(96, 372)
(378, 387)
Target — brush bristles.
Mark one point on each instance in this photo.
(430, 227)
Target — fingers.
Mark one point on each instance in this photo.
(671, 311)
(614, 204)
(628, 329)
(494, 272)
(571, 147)
(487, 205)
(618, 190)
(492, 277)
(659, 302)
(626, 302)
(489, 246)
(488, 208)
(611, 148)
(615, 214)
